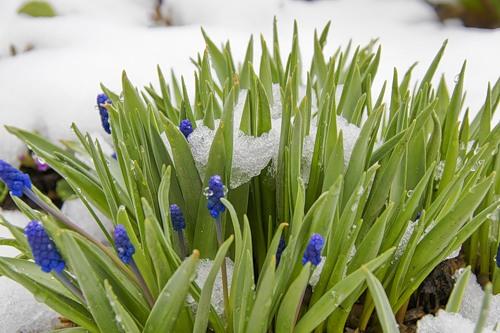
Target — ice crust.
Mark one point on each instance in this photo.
(314, 279)
(202, 272)
(253, 154)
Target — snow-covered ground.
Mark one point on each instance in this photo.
(465, 320)
(92, 41)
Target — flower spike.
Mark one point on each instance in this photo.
(102, 100)
(279, 251)
(177, 218)
(186, 127)
(123, 245)
(15, 180)
(43, 248)
(215, 191)
(312, 253)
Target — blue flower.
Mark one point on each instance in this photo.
(279, 251)
(123, 244)
(177, 218)
(216, 190)
(186, 127)
(102, 100)
(313, 250)
(15, 180)
(43, 248)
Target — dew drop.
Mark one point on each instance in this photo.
(207, 192)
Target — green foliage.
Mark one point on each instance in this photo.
(63, 190)
(4, 190)
(420, 182)
(37, 8)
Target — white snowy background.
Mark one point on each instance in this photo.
(92, 41)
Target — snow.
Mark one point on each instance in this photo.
(202, 272)
(21, 313)
(92, 41)
(55, 84)
(78, 213)
(16, 218)
(446, 322)
(465, 320)
(314, 279)
(20, 310)
(252, 154)
(472, 301)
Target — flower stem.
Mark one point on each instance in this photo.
(218, 228)
(143, 284)
(68, 284)
(182, 244)
(57, 214)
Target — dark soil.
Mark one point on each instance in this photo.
(484, 18)
(45, 181)
(431, 296)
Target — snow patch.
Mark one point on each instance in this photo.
(21, 312)
(252, 154)
(202, 272)
(446, 322)
(472, 301)
(313, 281)
(79, 214)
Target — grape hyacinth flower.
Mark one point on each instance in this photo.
(123, 245)
(312, 253)
(186, 127)
(126, 251)
(279, 251)
(19, 183)
(177, 218)
(43, 248)
(15, 180)
(102, 100)
(178, 224)
(47, 256)
(215, 191)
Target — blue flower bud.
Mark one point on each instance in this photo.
(313, 250)
(177, 218)
(15, 180)
(279, 251)
(102, 100)
(123, 244)
(215, 191)
(43, 248)
(186, 127)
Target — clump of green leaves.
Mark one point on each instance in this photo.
(421, 180)
(37, 8)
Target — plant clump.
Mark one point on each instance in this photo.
(273, 175)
